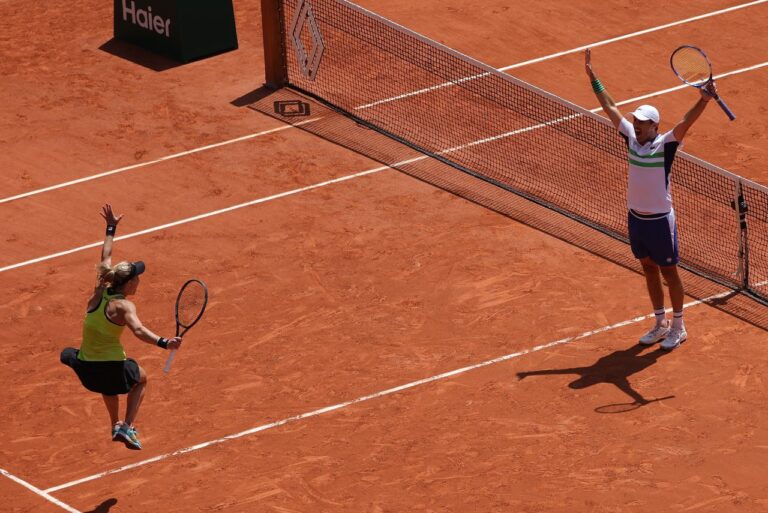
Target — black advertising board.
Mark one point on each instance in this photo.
(184, 30)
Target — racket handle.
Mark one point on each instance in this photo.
(725, 108)
(169, 361)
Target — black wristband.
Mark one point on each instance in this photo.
(111, 229)
(162, 342)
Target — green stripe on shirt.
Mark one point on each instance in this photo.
(651, 156)
(646, 164)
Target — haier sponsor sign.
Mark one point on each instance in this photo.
(145, 19)
(182, 29)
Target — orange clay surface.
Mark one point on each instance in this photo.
(334, 294)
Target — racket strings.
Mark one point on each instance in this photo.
(691, 66)
(191, 303)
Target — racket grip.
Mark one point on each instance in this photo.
(725, 108)
(169, 361)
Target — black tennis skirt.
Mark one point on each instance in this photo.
(108, 378)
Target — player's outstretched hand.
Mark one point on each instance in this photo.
(588, 63)
(109, 216)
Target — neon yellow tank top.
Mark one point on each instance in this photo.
(101, 337)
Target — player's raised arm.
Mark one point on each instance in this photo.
(105, 264)
(692, 115)
(112, 221)
(606, 102)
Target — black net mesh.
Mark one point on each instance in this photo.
(511, 134)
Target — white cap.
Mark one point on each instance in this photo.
(646, 112)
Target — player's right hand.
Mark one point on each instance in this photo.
(588, 63)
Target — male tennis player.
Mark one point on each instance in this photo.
(100, 363)
(651, 218)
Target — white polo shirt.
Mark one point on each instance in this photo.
(649, 167)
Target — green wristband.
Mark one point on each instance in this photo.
(597, 86)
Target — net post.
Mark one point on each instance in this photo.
(274, 54)
(739, 205)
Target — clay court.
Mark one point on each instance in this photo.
(361, 347)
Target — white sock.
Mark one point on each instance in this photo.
(677, 320)
(660, 316)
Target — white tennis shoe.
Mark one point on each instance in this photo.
(658, 332)
(675, 337)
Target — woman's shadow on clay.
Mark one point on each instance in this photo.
(615, 368)
(104, 507)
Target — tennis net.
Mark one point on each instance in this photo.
(511, 134)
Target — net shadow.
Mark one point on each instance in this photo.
(512, 134)
(286, 105)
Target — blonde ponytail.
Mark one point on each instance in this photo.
(114, 276)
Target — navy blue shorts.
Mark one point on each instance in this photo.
(654, 236)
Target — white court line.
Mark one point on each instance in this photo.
(151, 162)
(376, 395)
(281, 195)
(386, 392)
(683, 86)
(345, 178)
(275, 196)
(558, 54)
(39, 492)
(405, 95)
(206, 215)
(633, 34)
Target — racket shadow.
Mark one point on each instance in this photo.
(614, 368)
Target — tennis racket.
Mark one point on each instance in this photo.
(190, 305)
(692, 66)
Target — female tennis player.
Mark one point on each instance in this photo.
(101, 363)
(651, 218)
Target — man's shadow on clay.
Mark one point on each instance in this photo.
(615, 368)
